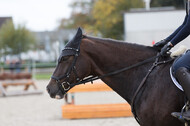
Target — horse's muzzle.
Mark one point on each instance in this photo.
(54, 93)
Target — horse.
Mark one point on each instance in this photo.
(87, 57)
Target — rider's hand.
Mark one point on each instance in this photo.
(160, 44)
(166, 48)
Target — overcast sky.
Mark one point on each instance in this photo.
(37, 15)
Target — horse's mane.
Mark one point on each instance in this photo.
(119, 43)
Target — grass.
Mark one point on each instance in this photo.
(43, 76)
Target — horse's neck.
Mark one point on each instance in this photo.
(110, 56)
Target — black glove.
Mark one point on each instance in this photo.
(160, 44)
(165, 49)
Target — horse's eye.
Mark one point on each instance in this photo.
(65, 58)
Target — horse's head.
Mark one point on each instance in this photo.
(71, 68)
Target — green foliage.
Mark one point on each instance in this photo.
(108, 15)
(14, 40)
(104, 17)
(80, 17)
(76, 20)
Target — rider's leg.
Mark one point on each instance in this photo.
(183, 76)
(183, 61)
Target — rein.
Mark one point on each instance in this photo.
(64, 88)
(155, 64)
(92, 78)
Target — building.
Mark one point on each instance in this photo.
(47, 38)
(148, 26)
(50, 44)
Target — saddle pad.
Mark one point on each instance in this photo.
(175, 81)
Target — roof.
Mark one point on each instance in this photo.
(4, 19)
(153, 9)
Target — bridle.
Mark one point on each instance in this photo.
(65, 85)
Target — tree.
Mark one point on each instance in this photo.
(81, 15)
(104, 17)
(14, 40)
(108, 15)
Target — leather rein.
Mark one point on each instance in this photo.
(65, 85)
(72, 67)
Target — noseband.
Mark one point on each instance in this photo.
(65, 85)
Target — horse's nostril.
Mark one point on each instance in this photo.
(48, 90)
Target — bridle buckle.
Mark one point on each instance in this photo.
(66, 88)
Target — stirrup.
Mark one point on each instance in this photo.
(180, 116)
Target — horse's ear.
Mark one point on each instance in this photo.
(79, 33)
(74, 43)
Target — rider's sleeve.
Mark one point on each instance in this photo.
(183, 33)
(187, 6)
(169, 38)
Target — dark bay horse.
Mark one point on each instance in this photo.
(89, 56)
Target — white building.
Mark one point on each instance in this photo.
(145, 27)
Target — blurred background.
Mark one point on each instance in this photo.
(36, 31)
(33, 33)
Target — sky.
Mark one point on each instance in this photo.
(36, 15)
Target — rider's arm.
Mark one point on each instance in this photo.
(169, 38)
(182, 34)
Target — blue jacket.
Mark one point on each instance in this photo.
(181, 32)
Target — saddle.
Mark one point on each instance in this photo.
(183, 116)
(174, 79)
(176, 55)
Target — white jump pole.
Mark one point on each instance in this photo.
(147, 4)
